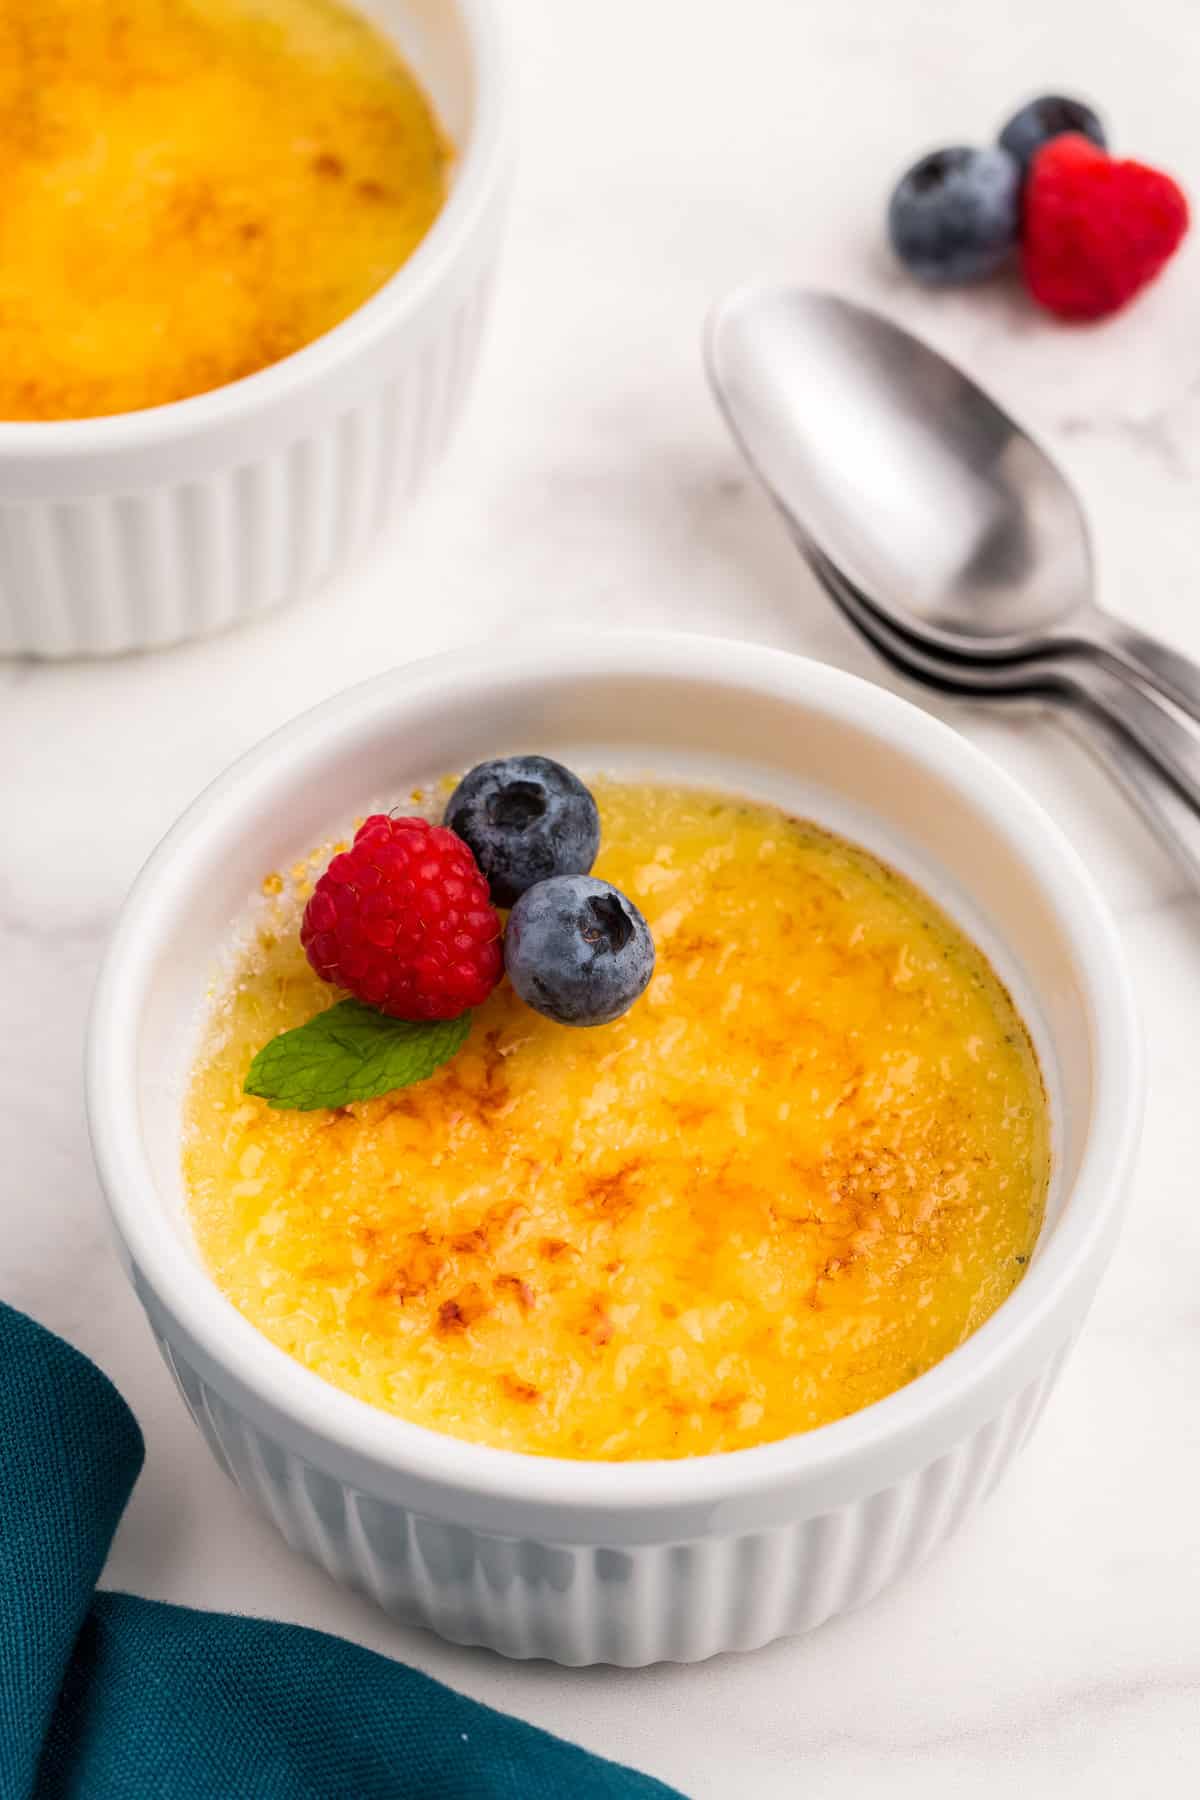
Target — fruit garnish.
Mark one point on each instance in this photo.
(402, 921)
(1049, 116)
(578, 950)
(351, 1052)
(526, 819)
(1096, 230)
(955, 215)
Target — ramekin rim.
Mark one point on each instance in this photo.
(399, 1448)
(481, 168)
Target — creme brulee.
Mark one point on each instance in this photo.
(194, 189)
(808, 1163)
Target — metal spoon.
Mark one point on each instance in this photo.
(855, 504)
(918, 486)
(1168, 815)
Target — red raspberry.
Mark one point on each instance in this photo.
(1096, 230)
(402, 920)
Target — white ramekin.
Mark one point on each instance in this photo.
(134, 531)
(629, 1562)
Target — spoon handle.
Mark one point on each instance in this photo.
(1152, 755)
(1166, 813)
(1160, 665)
(1166, 738)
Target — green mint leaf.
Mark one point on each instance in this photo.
(351, 1052)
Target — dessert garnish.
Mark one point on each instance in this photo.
(526, 818)
(351, 1052)
(1092, 230)
(1052, 115)
(403, 922)
(955, 215)
(577, 950)
(1096, 230)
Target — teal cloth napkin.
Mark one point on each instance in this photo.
(107, 1697)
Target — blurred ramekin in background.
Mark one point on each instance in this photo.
(134, 531)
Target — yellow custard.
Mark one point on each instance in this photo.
(194, 189)
(807, 1164)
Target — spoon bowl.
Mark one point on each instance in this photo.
(894, 466)
(907, 476)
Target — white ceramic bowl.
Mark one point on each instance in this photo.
(626, 1562)
(129, 532)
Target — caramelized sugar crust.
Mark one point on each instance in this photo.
(807, 1164)
(194, 189)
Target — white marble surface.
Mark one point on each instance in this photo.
(670, 150)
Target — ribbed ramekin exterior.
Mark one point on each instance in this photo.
(111, 571)
(595, 1603)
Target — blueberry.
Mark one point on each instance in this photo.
(526, 818)
(1048, 118)
(955, 215)
(577, 950)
